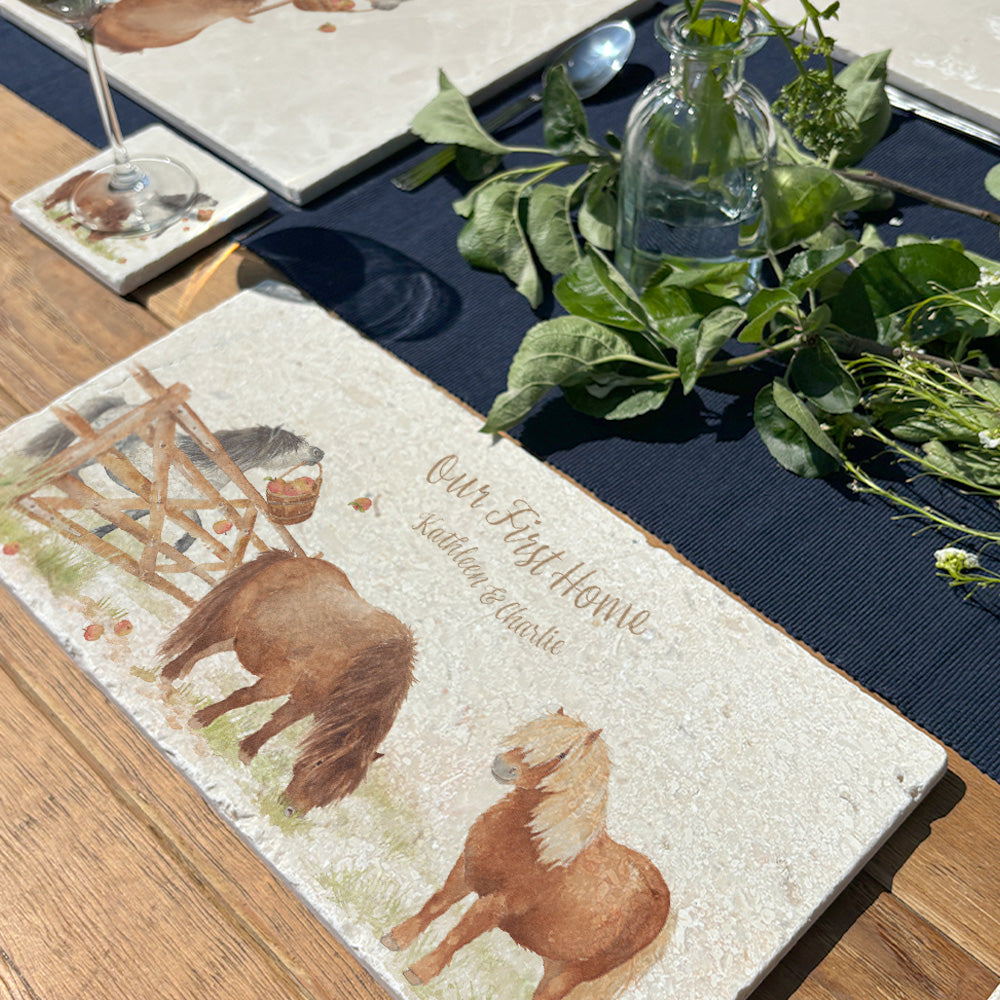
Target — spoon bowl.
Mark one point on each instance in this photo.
(597, 57)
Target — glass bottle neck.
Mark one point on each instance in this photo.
(690, 71)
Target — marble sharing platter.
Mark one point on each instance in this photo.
(646, 730)
(226, 199)
(303, 95)
(946, 57)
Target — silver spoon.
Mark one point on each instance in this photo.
(591, 62)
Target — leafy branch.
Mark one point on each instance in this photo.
(520, 223)
(893, 346)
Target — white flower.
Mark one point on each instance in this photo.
(954, 560)
(988, 277)
(987, 440)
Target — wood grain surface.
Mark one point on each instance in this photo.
(119, 880)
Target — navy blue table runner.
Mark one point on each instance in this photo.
(836, 570)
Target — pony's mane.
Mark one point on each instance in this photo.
(248, 446)
(572, 815)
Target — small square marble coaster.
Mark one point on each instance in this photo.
(226, 199)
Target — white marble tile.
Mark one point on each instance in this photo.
(946, 57)
(301, 108)
(226, 200)
(756, 779)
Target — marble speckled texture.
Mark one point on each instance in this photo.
(755, 778)
(948, 56)
(300, 109)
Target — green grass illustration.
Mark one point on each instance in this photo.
(100, 248)
(379, 891)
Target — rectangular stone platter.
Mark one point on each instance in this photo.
(301, 107)
(756, 779)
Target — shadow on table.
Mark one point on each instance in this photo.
(863, 893)
(374, 288)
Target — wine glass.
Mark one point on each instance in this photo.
(130, 196)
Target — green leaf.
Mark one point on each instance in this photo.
(992, 181)
(494, 239)
(598, 215)
(619, 398)
(561, 351)
(675, 313)
(565, 121)
(800, 199)
(594, 288)
(726, 280)
(965, 465)
(807, 269)
(715, 30)
(864, 83)
(785, 438)
(474, 164)
(913, 421)
(796, 410)
(858, 196)
(818, 374)
(583, 291)
(449, 118)
(878, 297)
(550, 228)
(765, 304)
(818, 320)
(697, 346)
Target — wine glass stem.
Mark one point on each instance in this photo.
(125, 174)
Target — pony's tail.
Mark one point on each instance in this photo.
(349, 729)
(57, 437)
(207, 611)
(614, 983)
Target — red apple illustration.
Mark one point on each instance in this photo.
(302, 486)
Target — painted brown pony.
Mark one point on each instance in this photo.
(134, 25)
(302, 629)
(546, 872)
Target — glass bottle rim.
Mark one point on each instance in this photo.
(672, 30)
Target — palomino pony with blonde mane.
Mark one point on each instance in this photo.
(546, 872)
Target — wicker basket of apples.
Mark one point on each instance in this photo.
(291, 501)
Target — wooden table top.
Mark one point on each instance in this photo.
(118, 880)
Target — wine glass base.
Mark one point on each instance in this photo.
(162, 194)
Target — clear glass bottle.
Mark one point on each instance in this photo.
(696, 145)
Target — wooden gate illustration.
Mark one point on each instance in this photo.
(155, 423)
